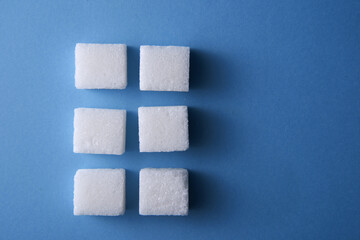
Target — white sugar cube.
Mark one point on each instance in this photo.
(164, 68)
(99, 192)
(163, 191)
(163, 129)
(100, 66)
(99, 131)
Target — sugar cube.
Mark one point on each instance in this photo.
(99, 131)
(163, 129)
(100, 66)
(99, 192)
(164, 191)
(164, 68)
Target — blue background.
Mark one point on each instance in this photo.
(274, 117)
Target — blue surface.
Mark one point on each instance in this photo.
(274, 117)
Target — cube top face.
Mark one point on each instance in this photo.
(163, 129)
(99, 192)
(100, 66)
(99, 131)
(164, 191)
(164, 68)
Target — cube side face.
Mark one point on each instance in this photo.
(164, 68)
(164, 191)
(99, 131)
(99, 192)
(163, 129)
(100, 66)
